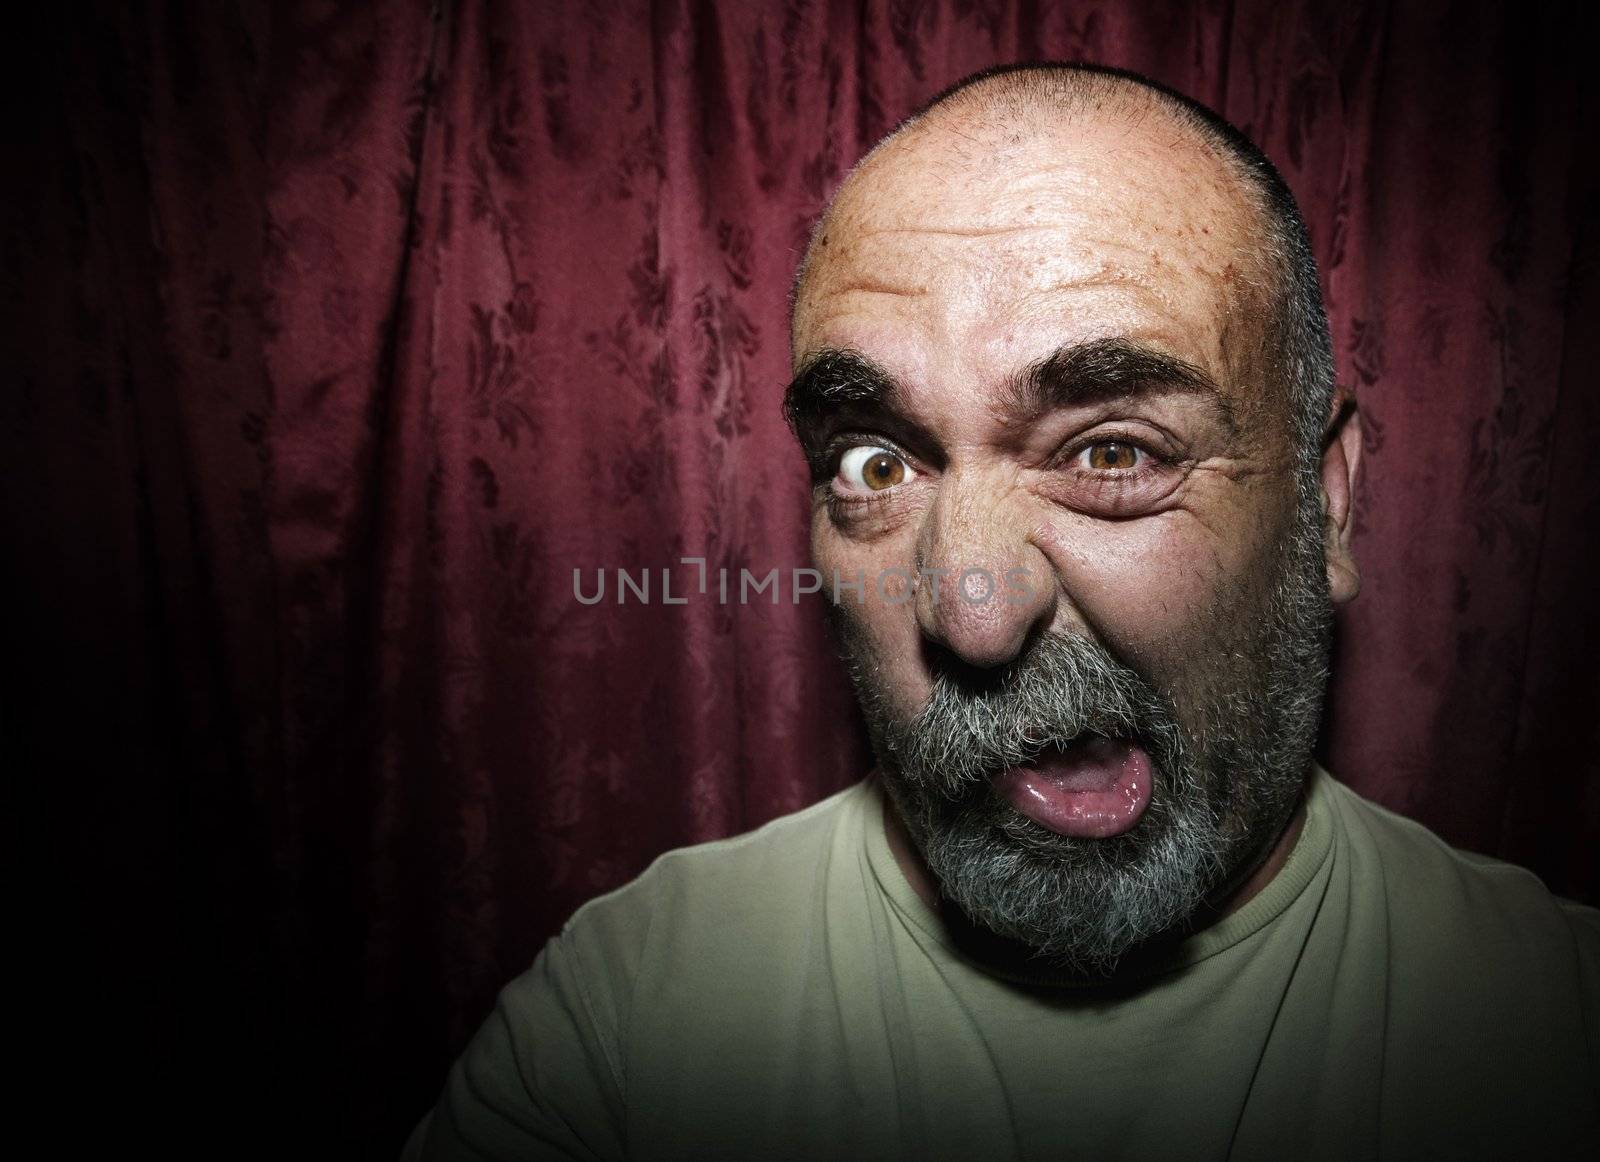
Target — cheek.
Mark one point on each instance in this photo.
(1166, 593)
(887, 629)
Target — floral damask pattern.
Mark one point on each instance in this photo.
(345, 333)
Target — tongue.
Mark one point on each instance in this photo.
(1093, 789)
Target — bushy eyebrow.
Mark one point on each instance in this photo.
(1105, 369)
(1094, 371)
(832, 379)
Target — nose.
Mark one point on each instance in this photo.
(984, 586)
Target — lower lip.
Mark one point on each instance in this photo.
(1092, 789)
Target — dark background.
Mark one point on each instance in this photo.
(338, 335)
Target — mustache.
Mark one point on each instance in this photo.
(979, 722)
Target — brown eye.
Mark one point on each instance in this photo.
(873, 469)
(1109, 455)
(883, 471)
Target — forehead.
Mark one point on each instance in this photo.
(971, 250)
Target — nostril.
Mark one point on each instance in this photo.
(977, 671)
(944, 664)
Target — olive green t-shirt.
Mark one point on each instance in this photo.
(787, 994)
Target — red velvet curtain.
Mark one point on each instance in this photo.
(340, 335)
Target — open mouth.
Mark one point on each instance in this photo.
(1093, 787)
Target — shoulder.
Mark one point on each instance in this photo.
(1484, 984)
(670, 949)
(1434, 891)
(797, 839)
(722, 886)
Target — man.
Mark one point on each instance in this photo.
(1063, 376)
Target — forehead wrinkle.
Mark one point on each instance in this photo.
(960, 231)
(870, 287)
(1145, 257)
(1021, 170)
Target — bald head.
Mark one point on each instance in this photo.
(1095, 174)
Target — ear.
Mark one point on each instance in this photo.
(1341, 459)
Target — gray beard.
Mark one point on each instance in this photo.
(1224, 783)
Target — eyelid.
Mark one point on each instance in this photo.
(855, 484)
(1080, 444)
(837, 445)
(1117, 493)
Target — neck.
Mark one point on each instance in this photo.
(1255, 874)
